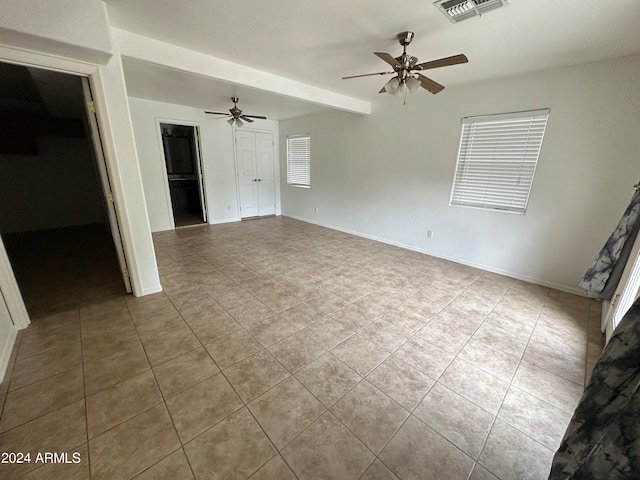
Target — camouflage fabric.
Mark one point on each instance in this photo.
(602, 440)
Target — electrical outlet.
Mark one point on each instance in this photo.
(228, 207)
(315, 209)
(429, 233)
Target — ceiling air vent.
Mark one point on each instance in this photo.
(459, 10)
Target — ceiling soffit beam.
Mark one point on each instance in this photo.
(168, 55)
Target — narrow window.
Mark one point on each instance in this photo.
(299, 160)
(497, 160)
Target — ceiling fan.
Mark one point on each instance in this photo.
(406, 70)
(236, 116)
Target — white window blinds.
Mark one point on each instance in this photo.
(299, 160)
(497, 160)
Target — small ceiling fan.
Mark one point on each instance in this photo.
(406, 69)
(236, 116)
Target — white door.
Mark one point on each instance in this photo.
(256, 173)
(626, 293)
(200, 173)
(104, 179)
(266, 174)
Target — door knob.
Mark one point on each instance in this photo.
(254, 180)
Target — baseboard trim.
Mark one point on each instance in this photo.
(7, 349)
(149, 291)
(488, 268)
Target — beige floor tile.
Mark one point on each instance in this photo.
(250, 312)
(418, 452)
(133, 446)
(402, 382)
(158, 325)
(473, 383)
(201, 406)
(41, 342)
(38, 367)
(276, 468)
(509, 453)
(50, 322)
(255, 375)
(328, 333)
(370, 414)
(171, 345)
(104, 323)
(120, 402)
(355, 316)
(271, 330)
(572, 345)
(481, 473)
(327, 378)
(42, 397)
(114, 368)
(538, 419)
(172, 467)
(490, 359)
(553, 389)
(211, 327)
(327, 303)
(64, 471)
(425, 357)
(327, 450)
(285, 410)
(360, 354)
(385, 335)
(111, 307)
(378, 471)
(457, 419)
(296, 351)
(302, 315)
(58, 431)
(445, 336)
(540, 355)
(184, 371)
(233, 449)
(98, 346)
(233, 348)
(406, 319)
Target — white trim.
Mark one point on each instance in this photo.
(10, 290)
(148, 291)
(413, 248)
(6, 350)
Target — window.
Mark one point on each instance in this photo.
(497, 160)
(299, 160)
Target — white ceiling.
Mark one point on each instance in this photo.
(319, 42)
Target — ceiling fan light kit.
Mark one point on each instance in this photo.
(236, 116)
(406, 69)
(459, 10)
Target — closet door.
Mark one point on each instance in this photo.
(255, 162)
(247, 174)
(266, 173)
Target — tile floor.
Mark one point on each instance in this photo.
(283, 350)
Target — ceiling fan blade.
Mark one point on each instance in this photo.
(428, 84)
(388, 58)
(259, 117)
(217, 113)
(246, 118)
(367, 75)
(442, 62)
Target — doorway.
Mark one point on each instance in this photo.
(256, 173)
(57, 220)
(184, 174)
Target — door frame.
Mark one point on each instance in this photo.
(8, 284)
(626, 292)
(276, 164)
(202, 175)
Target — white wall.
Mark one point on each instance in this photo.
(56, 188)
(69, 28)
(217, 156)
(389, 175)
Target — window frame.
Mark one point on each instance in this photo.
(497, 160)
(299, 169)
